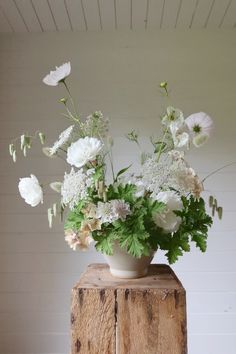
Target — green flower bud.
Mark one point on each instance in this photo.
(22, 141)
(63, 100)
(50, 215)
(163, 84)
(220, 212)
(47, 151)
(56, 186)
(28, 142)
(11, 149)
(25, 150)
(54, 208)
(42, 138)
(211, 199)
(14, 156)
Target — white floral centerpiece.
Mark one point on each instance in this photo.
(159, 207)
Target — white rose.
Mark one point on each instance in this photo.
(30, 190)
(168, 220)
(83, 150)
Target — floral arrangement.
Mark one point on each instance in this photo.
(160, 207)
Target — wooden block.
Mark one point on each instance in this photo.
(119, 316)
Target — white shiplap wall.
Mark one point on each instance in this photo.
(119, 74)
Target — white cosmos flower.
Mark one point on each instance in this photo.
(63, 139)
(83, 150)
(200, 126)
(57, 75)
(173, 115)
(30, 190)
(167, 220)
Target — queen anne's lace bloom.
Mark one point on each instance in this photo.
(75, 187)
(96, 125)
(155, 175)
(63, 139)
(55, 76)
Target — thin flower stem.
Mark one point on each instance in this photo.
(71, 98)
(162, 143)
(219, 169)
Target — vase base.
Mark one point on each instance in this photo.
(129, 274)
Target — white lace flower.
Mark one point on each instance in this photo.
(200, 126)
(173, 115)
(63, 139)
(75, 187)
(167, 220)
(154, 175)
(57, 75)
(30, 190)
(83, 150)
(78, 240)
(96, 125)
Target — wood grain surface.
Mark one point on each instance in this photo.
(119, 316)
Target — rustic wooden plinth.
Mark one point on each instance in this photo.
(137, 316)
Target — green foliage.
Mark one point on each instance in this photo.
(75, 217)
(194, 226)
(121, 172)
(138, 233)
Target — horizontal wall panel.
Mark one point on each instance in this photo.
(33, 322)
(35, 344)
(212, 343)
(53, 242)
(54, 302)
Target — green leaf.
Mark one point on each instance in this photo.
(121, 172)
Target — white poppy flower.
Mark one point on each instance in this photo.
(167, 220)
(83, 150)
(200, 126)
(173, 115)
(180, 134)
(30, 190)
(57, 75)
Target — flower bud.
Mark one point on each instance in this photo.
(25, 150)
(54, 208)
(47, 151)
(63, 100)
(220, 212)
(11, 149)
(50, 215)
(22, 141)
(56, 186)
(42, 138)
(163, 84)
(14, 156)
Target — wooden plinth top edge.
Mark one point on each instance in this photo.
(160, 276)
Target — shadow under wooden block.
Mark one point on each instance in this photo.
(128, 316)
